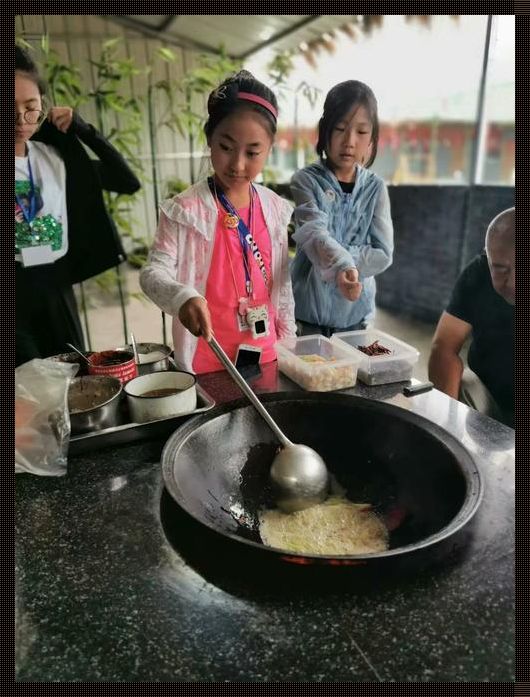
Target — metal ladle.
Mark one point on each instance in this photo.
(79, 352)
(298, 474)
(135, 350)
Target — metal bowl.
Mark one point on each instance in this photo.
(73, 357)
(153, 357)
(93, 402)
(113, 363)
(161, 394)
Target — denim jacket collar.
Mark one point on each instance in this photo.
(321, 170)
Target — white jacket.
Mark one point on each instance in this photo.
(179, 262)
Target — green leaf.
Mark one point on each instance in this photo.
(111, 43)
(166, 54)
(21, 41)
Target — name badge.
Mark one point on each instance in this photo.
(35, 256)
(242, 323)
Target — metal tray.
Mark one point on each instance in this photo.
(130, 432)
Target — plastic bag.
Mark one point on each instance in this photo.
(42, 419)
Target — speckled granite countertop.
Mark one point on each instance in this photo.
(102, 595)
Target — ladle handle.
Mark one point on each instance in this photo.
(242, 384)
(79, 352)
(135, 350)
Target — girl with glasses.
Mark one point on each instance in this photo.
(63, 232)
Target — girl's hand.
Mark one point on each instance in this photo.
(61, 117)
(349, 285)
(195, 316)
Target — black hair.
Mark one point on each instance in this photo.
(339, 100)
(24, 63)
(223, 101)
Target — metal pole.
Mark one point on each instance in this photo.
(164, 329)
(85, 316)
(154, 174)
(122, 305)
(477, 152)
(191, 139)
(295, 134)
(152, 142)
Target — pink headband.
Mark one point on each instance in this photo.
(259, 100)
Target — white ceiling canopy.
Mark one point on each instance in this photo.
(241, 35)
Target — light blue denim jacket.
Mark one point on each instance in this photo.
(335, 231)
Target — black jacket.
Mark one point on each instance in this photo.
(93, 241)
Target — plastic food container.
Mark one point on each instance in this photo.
(316, 364)
(395, 366)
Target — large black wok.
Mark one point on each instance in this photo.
(416, 475)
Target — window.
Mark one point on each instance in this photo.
(426, 80)
(497, 158)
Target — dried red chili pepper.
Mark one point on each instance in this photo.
(374, 349)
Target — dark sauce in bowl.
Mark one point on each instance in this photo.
(161, 392)
(116, 358)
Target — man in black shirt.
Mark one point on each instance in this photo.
(482, 306)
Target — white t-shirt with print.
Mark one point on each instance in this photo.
(49, 176)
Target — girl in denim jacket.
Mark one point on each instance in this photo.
(219, 262)
(344, 234)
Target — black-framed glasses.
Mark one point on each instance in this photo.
(32, 116)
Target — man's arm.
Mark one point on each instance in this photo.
(445, 365)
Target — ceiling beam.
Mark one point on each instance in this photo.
(160, 35)
(185, 42)
(280, 35)
(168, 21)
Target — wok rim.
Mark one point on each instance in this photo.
(466, 463)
